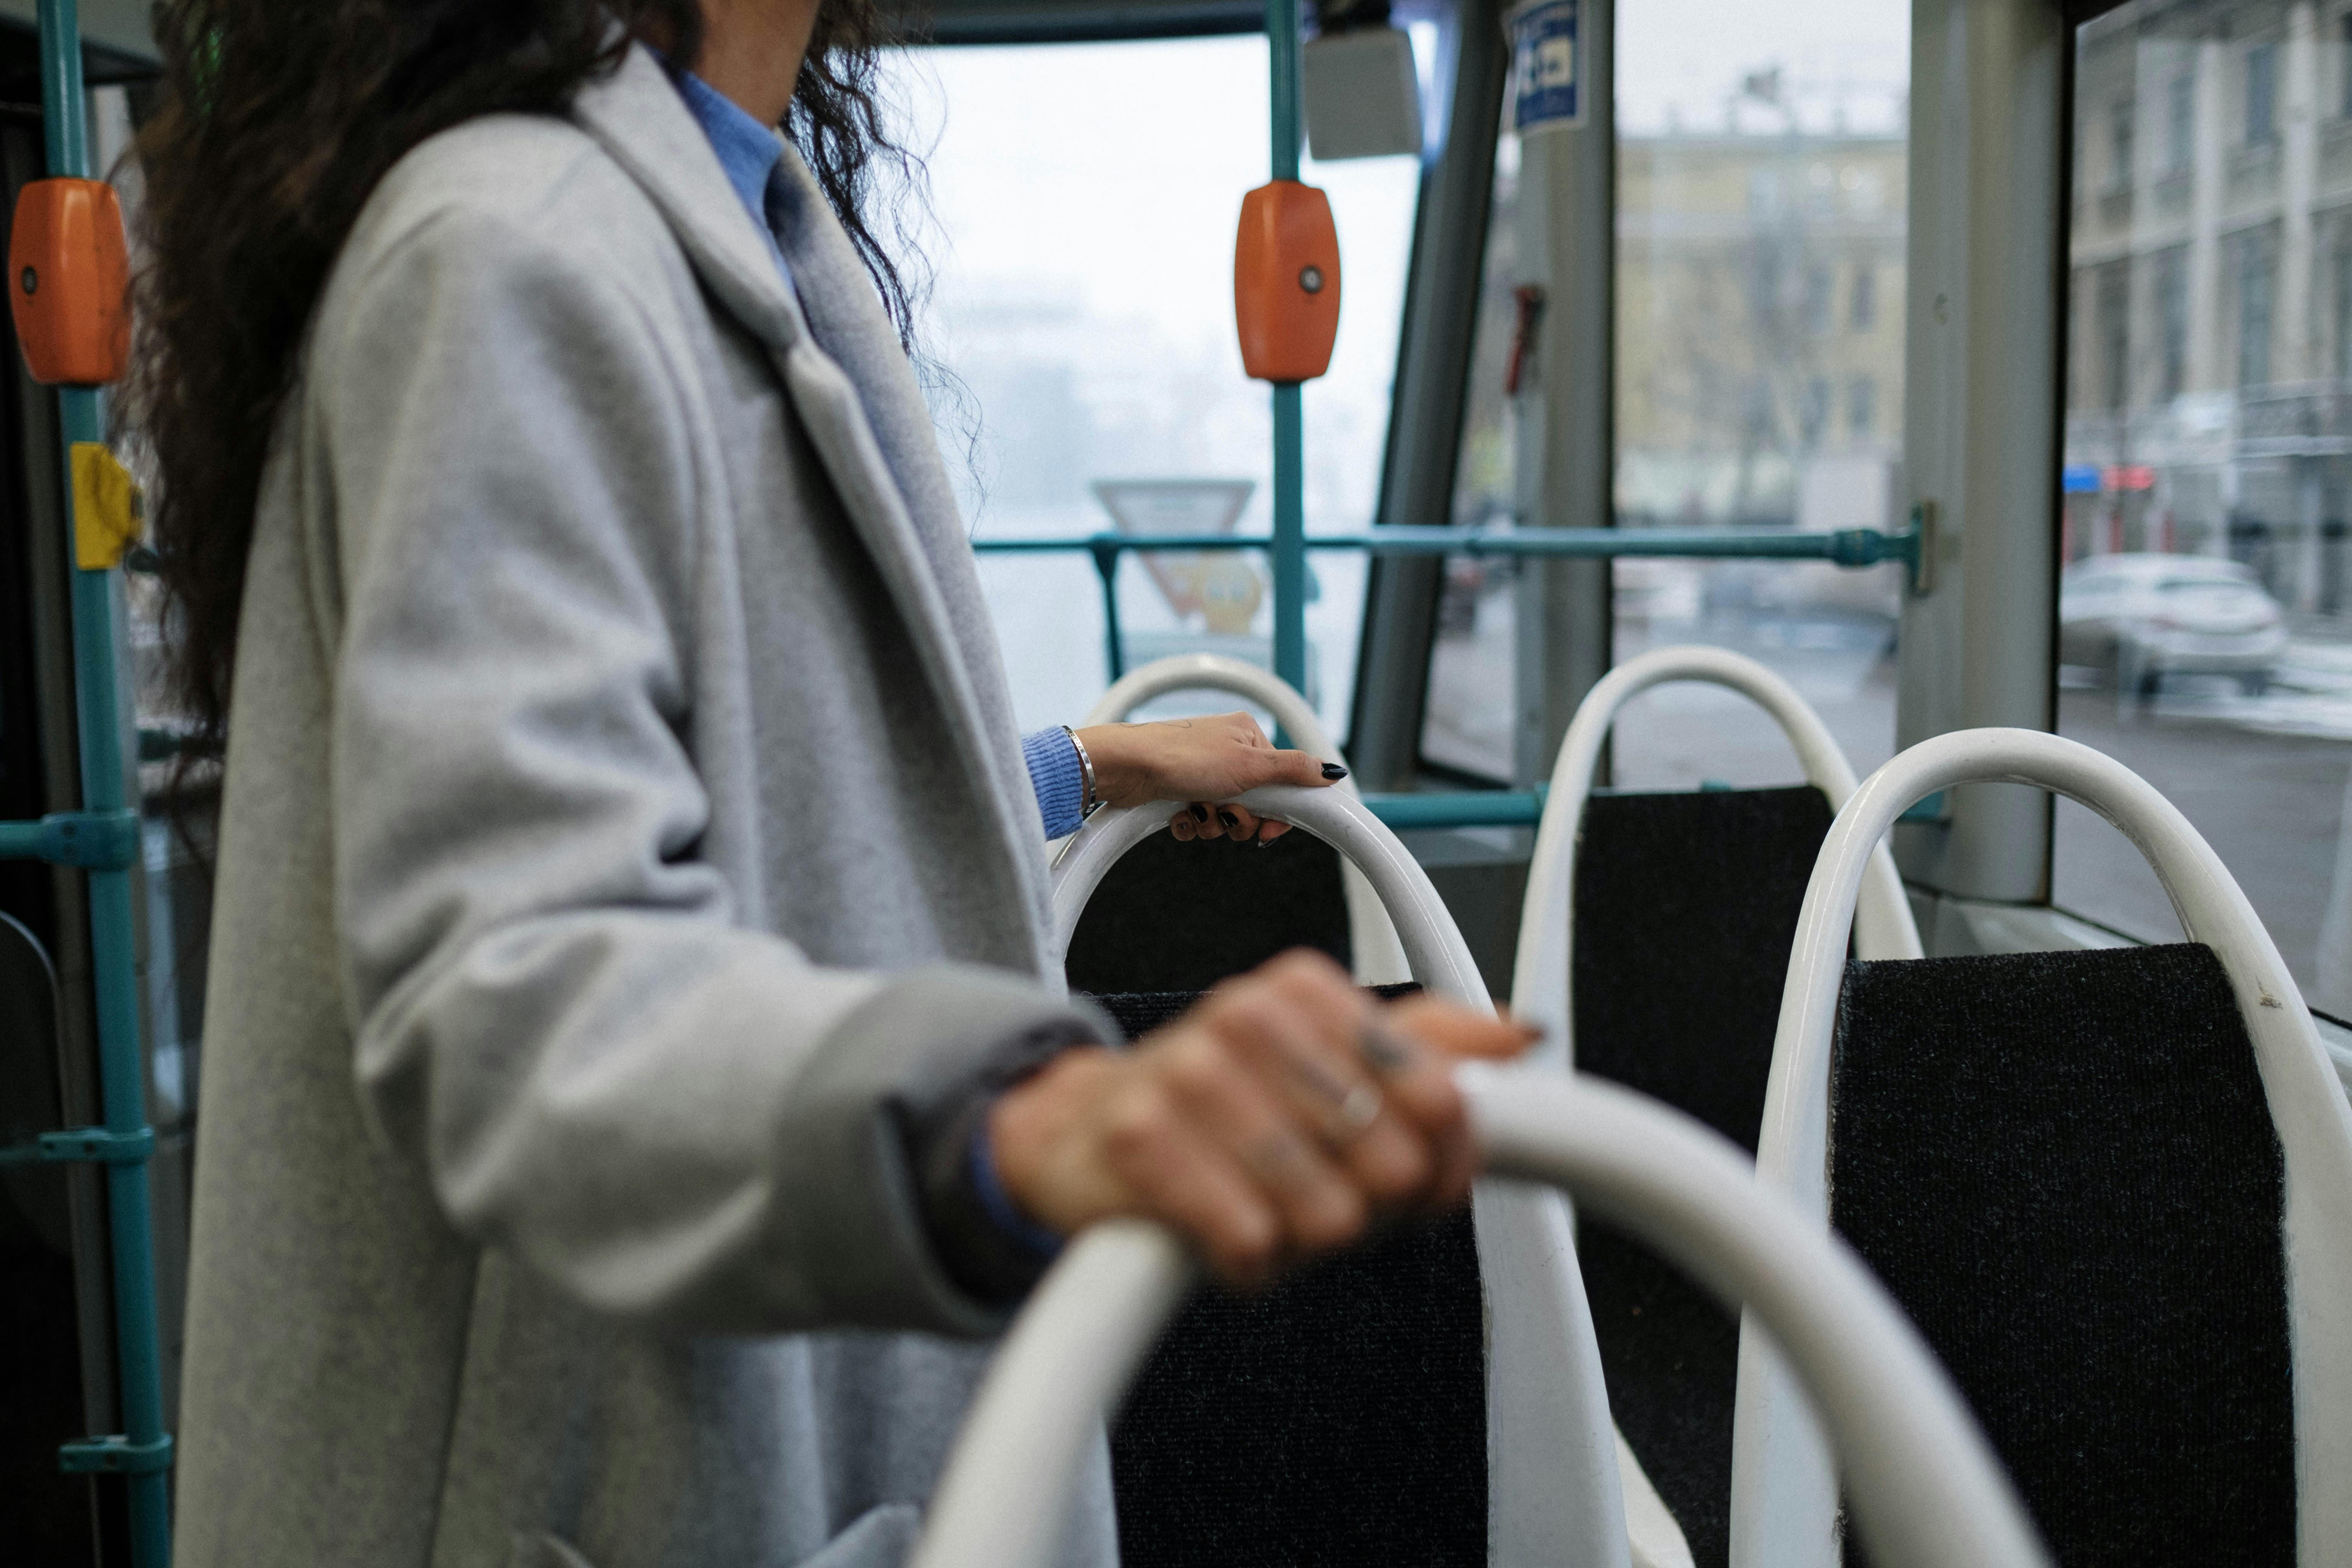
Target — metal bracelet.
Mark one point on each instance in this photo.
(1090, 801)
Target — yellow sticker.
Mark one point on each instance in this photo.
(107, 508)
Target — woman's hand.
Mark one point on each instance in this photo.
(1205, 761)
(1275, 1119)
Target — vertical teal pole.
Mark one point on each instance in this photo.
(113, 951)
(1289, 432)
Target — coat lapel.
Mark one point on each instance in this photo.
(864, 414)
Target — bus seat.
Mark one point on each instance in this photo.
(1653, 945)
(1348, 1414)
(2114, 1187)
(1928, 1491)
(1370, 948)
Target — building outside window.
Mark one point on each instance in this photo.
(2344, 65)
(2262, 95)
(2179, 123)
(2343, 302)
(2219, 464)
(2121, 136)
(1813, 412)
(1821, 281)
(2171, 322)
(1743, 196)
(2114, 325)
(2256, 280)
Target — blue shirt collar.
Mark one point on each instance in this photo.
(748, 150)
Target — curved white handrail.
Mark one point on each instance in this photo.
(1432, 943)
(1378, 958)
(1542, 974)
(1926, 1490)
(1783, 1498)
(1554, 1484)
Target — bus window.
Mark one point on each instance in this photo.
(2204, 630)
(1760, 208)
(1085, 198)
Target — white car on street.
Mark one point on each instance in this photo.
(2146, 616)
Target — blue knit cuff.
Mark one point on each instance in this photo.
(998, 1203)
(1060, 781)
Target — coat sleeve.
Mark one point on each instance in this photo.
(555, 1011)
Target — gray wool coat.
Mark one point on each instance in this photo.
(625, 829)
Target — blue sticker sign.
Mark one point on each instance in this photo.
(1548, 59)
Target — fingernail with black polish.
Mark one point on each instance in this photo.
(1334, 771)
(1233, 823)
(1200, 812)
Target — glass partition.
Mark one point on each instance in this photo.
(1086, 200)
(2204, 632)
(1761, 175)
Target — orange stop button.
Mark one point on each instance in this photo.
(1286, 282)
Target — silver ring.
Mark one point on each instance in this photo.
(1356, 1113)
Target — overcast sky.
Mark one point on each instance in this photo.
(1687, 58)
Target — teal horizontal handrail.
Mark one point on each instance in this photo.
(1843, 547)
(1462, 808)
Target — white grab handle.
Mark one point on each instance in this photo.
(1433, 944)
(1784, 1500)
(1543, 976)
(1926, 1490)
(1553, 1481)
(1379, 960)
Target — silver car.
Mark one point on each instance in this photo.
(2145, 616)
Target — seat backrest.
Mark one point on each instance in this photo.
(1685, 905)
(1462, 1352)
(1541, 977)
(1366, 941)
(1242, 905)
(2154, 1113)
(1926, 1491)
(1668, 978)
(2062, 1164)
(1337, 1419)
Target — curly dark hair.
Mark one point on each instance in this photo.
(273, 124)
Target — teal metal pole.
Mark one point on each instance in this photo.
(1289, 434)
(145, 1451)
(1465, 808)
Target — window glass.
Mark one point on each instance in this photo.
(1085, 199)
(2203, 639)
(1762, 194)
(1467, 724)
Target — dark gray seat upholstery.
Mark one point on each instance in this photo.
(2064, 1167)
(1337, 1420)
(1685, 905)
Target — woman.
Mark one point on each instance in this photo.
(621, 793)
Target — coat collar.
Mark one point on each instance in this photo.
(864, 413)
(637, 117)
